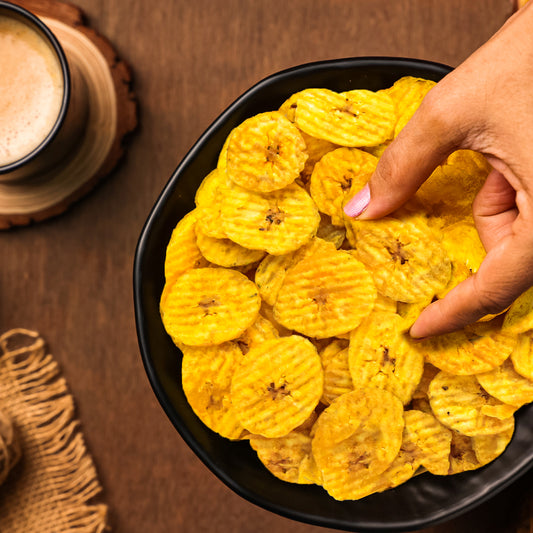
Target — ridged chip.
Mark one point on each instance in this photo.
(489, 447)
(462, 455)
(278, 222)
(355, 118)
(328, 352)
(357, 438)
(271, 270)
(260, 331)
(522, 356)
(206, 380)
(430, 439)
(457, 402)
(337, 377)
(287, 457)
(224, 252)
(452, 187)
(336, 174)
(405, 258)
(324, 295)
(316, 149)
(182, 252)
(477, 348)
(277, 386)
(329, 232)
(208, 306)
(265, 153)
(505, 384)
(380, 356)
(465, 250)
(207, 192)
(407, 94)
(519, 317)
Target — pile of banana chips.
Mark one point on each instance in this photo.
(292, 318)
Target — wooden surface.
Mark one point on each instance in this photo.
(71, 277)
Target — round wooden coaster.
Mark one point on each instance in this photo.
(112, 115)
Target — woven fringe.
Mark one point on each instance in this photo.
(52, 488)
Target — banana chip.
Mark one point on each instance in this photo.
(224, 252)
(427, 440)
(522, 356)
(206, 379)
(519, 317)
(357, 438)
(278, 222)
(337, 377)
(277, 386)
(355, 118)
(407, 262)
(477, 348)
(182, 251)
(265, 153)
(407, 94)
(457, 402)
(505, 384)
(325, 295)
(208, 306)
(380, 356)
(489, 447)
(336, 174)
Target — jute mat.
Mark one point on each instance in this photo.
(52, 488)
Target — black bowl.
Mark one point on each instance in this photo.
(422, 501)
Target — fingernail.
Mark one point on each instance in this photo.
(358, 203)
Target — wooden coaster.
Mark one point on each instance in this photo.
(112, 115)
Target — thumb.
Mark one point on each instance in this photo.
(426, 140)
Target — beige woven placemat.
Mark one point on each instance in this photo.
(52, 488)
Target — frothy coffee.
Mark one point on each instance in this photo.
(31, 89)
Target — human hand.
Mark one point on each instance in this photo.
(486, 105)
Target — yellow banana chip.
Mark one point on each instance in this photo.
(462, 455)
(277, 386)
(357, 438)
(505, 384)
(407, 94)
(428, 440)
(207, 192)
(477, 348)
(522, 356)
(465, 250)
(208, 306)
(380, 356)
(519, 317)
(265, 153)
(329, 352)
(224, 252)
(288, 457)
(453, 186)
(406, 260)
(325, 295)
(457, 402)
(337, 173)
(337, 377)
(278, 222)
(182, 252)
(329, 232)
(261, 330)
(489, 447)
(316, 149)
(355, 118)
(206, 379)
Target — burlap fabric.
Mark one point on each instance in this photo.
(53, 485)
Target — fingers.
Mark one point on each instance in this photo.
(506, 272)
(494, 209)
(427, 139)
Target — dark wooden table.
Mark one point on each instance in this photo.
(71, 278)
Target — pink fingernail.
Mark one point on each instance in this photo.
(358, 203)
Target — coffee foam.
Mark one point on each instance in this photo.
(31, 89)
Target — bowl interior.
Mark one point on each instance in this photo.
(420, 502)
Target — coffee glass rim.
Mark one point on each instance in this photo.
(45, 32)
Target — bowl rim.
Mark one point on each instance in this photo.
(447, 513)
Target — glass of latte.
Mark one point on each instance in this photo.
(37, 121)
